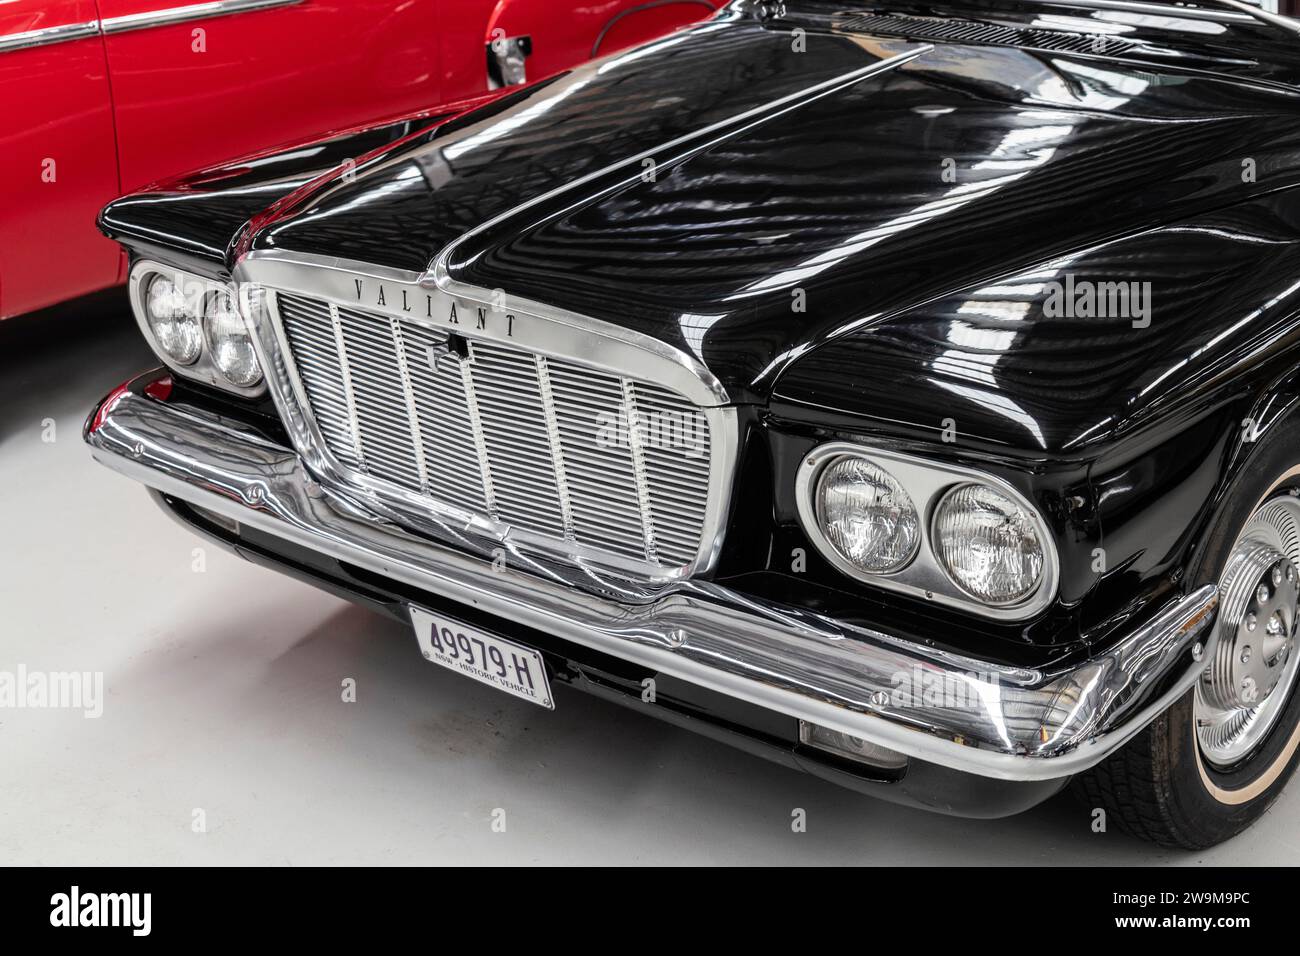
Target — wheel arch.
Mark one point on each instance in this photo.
(1158, 491)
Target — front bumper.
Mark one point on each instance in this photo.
(961, 713)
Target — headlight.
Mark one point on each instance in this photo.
(229, 344)
(867, 516)
(174, 318)
(196, 325)
(988, 544)
(938, 531)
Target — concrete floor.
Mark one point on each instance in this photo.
(222, 694)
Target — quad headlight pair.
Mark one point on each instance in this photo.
(196, 327)
(946, 533)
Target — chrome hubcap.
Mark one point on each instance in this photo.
(1250, 675)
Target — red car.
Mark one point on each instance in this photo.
(102, 97)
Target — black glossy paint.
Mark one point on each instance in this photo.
(403, 211)
(875, 262)
(202, 214)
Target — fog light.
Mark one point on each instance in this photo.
(850, 747)
(220, 520)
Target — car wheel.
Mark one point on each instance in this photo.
(1212, 764)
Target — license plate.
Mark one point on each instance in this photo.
(492, 660)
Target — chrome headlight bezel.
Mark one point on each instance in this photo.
(927, 483)
(200, 288)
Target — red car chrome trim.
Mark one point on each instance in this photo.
(47, 35)
(193, 11)
(67, 32)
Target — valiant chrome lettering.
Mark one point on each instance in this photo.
(384, 296)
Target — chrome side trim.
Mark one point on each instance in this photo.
(938, 706)
(47, 35)
(194, 11)
(926, 482)
(134, 21)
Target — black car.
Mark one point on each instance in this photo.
(904, 392)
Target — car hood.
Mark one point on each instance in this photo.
(754, 198)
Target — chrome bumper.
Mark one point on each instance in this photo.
(959, 712)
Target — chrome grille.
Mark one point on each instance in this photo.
(561, 450)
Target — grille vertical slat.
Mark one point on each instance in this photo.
(412, 413)
(377, 397)
(599, 470)
(310, 328)
(514, 427)
(451, 459)
(542, 444)
(479, 437)
(636, 438)
(556, 445)
(676, 453)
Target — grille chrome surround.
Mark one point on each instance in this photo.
(541, 435)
